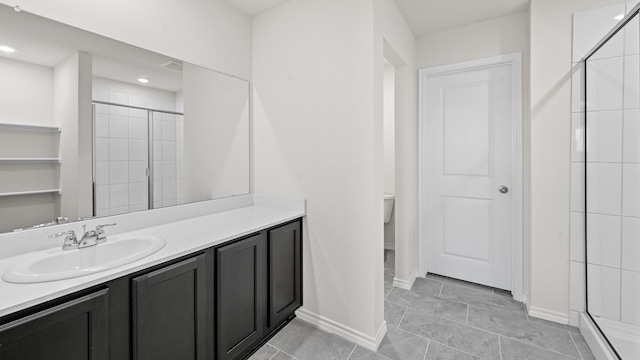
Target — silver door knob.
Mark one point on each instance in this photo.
(503, 189)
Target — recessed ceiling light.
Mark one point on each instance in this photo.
(619, 17)
(7, 49)
(143, 80)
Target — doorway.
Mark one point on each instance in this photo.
(470, 172)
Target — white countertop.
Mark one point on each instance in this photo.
(183, 238)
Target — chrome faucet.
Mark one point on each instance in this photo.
(101, 236)
(90, 238)
(70, 241)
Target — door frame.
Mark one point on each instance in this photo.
(515, 61)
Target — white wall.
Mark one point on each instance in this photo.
(26, 93)
(389, 108)
(394, 41)
(499, 36)
(551, 30)
(216, 135)
(207, 33)
(314, 137)
(146, 92)
(72, 113)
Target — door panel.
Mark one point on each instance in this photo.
(467, 144)
(78, 329)
(469, 150)
(169, 311)
(285, 275)
(479, 214)
(240, 294)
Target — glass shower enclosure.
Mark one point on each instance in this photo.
(138, 157)
(612, 186)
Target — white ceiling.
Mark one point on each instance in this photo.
(255, 7)
(45, 42)
(430, 16)
(423, 16)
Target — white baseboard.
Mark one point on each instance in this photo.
(550, 315)
(594, 339)
(406, 284)
(390, 246)
(348, 333)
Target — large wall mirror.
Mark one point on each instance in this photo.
(90, 126)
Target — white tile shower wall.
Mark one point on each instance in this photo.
(613, 154)
(122, 153)
(168, 151)
(630, 311)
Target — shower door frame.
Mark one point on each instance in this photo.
(150, 141)
(619, 27)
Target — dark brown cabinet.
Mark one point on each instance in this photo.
(239, 296)
(169, 312)
(74, 330)
(285, 272)
(217, 304)
(258, 288)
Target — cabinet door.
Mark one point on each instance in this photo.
(285, 272)
(75, 330)
(169, 312)
(239, 296)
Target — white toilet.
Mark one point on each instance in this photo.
(389, 199)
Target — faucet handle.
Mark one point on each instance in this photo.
(69, 233)
(100, 227)
(70, 242)
(102, 237)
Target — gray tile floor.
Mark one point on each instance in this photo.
(439, 319)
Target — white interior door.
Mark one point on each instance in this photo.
(469, 145)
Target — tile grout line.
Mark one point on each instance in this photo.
(576, 345)
(286, 353)
(527, 319)
(432, 340)
(352, 351)
(524, 342)
(456, 349)
(428, 314)
(499, 347)
(274, 355)
(542, 348)
(403, 314)
(389, 293)
(426, 351)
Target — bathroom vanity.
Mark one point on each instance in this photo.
(196, 267)
(222, 285)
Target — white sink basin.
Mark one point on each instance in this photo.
(54, 265)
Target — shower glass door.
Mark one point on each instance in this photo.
(130, 172)
(612, 217)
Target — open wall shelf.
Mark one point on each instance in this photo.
(33, 192)
(29, 160)
(22, 127)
